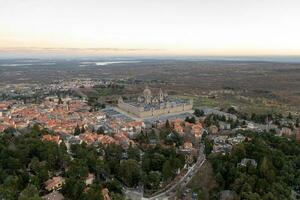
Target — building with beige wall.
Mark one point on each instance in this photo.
(149, 105)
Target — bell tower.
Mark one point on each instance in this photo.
(161, 95)
(147, 95)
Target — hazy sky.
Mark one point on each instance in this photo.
(151, 27)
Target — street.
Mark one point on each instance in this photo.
(171, 192)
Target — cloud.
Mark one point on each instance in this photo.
(88, 50)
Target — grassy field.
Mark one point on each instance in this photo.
(246, 104)
(201, 101)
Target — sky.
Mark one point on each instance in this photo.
(150, 27)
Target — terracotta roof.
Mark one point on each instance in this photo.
(188, 145)
(55, 195)
(54, 182)
(51, 138)
(105, 194)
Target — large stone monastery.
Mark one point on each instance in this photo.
(148, 105)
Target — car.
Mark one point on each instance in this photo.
(194, 196)
(188, 190)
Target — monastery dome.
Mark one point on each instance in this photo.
(147, 92)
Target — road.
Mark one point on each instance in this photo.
(171, 192)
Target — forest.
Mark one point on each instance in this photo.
(26, 162)
(276, 175)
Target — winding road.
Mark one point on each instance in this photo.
(171, 192)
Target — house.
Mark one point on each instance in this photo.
(221, 148)
(136, 126)
(213, 129)
(88, 138)
(74, 140)
(177, 125)
(224, 126)
(105, 194)
(228, 195)
(3, 127)
(246, 161)
(122, 138)
(55, 195)
(54, 183)
(106, 140)
(101, 116)
(152, 142)
(52, 138)
(188, 145)
(197, 130)
(220, 139)
(286, 131)
(90, 179)
(251, 126)
(221, 145)
(209, 111)
(91, 138)
(237, 139)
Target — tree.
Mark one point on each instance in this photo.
(77, 130)
(251, 196)
(100, 130)
(157, 160)
(94, 193)
(146, 164)
(167, 170)
(60, 101)
(101, 170)
(190, 120)
(116, 196)
(168, 126)
(114, 185)
(133, 153)
(239, 151)
(78, 169)
(39, 170)
(30, 193)
(266, 170)
(130, 172)
(73, 188)
(199, 113)
(193, 120)
(152, 180)
(9, 188)
(187, 119)
(82, 129)
(232, 110)
(208, 146)
(244, 123)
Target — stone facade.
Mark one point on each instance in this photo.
(148, 105)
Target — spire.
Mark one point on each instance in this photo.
(120, 100)
(161, 95)
(147, 95)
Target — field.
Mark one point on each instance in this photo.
(254, 86)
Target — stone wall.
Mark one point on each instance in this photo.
(129, 108)
(151, 113)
